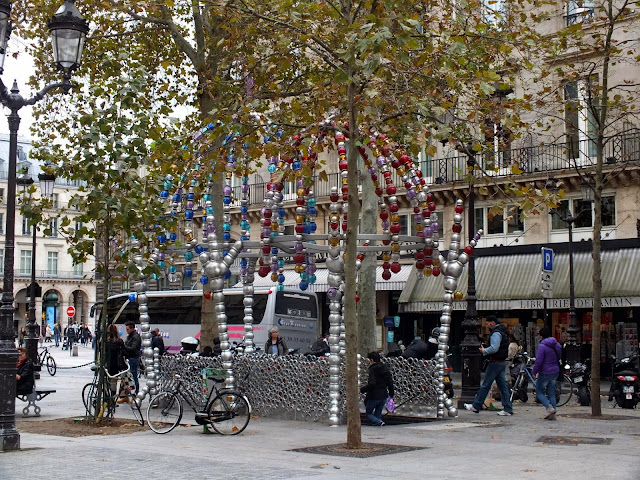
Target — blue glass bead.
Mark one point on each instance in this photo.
(188, 255)
(132, 297)
(312, 211)
(272, 168)
(204, 279)
(311, 202)
(281, 278)
(155, 277)
(244, 238)
(244, 209)
(188, 272)
(226, 200)
(280, 288)
(211, 126)
(274, 251)
(312, 279)
(281, 263)
(226, 227)
(207, 197)
(281, 212)
(244, 262)
(296, 165)
(312, 227)
(227, 274)
(304, 276)
(274, 234)
(164, 194)
(303, 286)
(209, 210)
(177, 198)
(226, 236)
(189, 214)
(199, 249)
(161, 263)
(173, 269)
(173, 236)
(191, 196)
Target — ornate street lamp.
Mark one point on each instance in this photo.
(68, 32)
(470, 345)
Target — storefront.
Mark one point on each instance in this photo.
(508, 284)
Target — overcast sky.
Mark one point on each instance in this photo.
(19, 69)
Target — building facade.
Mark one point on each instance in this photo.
(63, 283)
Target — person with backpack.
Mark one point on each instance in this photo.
(378, 389)
(547, 368)
(496, 353)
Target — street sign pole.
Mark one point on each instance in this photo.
(547, 280)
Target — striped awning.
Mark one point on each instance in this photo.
(506, 281)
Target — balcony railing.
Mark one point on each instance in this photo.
(554, 157)
(61, 182)
(46, 274)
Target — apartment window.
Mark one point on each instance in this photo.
(1, 260)
(25, 262)
(78, 270)
(78, 226)
(53, 227)
(582, 211)
(580, 121)
(579, 11)
(1, 194)
(54, 200)
(26, 226)
(1, 223)
(508, 221)
(52, 263)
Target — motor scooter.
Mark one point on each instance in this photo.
(580, 375)
(624, 384)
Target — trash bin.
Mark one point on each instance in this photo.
(75, 350)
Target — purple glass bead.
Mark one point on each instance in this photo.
(243, 270)
(299, 247)
(332, 292)
(476, 237)
(160, 255)
(381, 160)
(428, 232)
(274, 267)
(411, 193)
(226, 190)
(197, 136)
(311, 268)
(385, 225)
(190, 204)
(418, 218)
(266, 232)
(211, 228)
(435, 226)
(245, 188)
(372, 170)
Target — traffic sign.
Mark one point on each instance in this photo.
(547, 277)
(547, 286)
(71, 312)
(547, 259)
(547, 294)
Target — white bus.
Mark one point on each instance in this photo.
(177, 314)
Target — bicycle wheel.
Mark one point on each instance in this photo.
(164, 412)
(515, 389)
(90, 398)
(229, 413)
(51, 365)
(135, 408)
(564, 390)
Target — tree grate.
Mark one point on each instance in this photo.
(367, 450)
(575, 440)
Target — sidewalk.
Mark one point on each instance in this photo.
(473, 446)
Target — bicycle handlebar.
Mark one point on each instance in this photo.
(118, 375)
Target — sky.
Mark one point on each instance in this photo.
(19, 69)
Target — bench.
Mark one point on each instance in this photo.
(35, 396)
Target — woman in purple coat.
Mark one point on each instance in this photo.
(547, 368)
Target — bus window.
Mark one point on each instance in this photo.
(234, 308)
(296, 305)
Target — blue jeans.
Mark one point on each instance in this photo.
(56, 337)
(134, 363)
(494, 372)
(374, 410)
(546, 389)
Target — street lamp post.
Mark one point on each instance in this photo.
(573, 347)
(470, 345)
(47, 182)
(68, 32)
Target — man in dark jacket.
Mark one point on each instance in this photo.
(418, 348)
(378, 388)
(497, 354)
(132, 346)
(156, 341)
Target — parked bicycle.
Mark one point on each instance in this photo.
(521, 375)
(224, 411)
(45, 358)
(101, 398)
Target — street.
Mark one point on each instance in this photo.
(473, 446)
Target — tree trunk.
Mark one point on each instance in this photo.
(367, 341)
(354, 433)
(208, 321)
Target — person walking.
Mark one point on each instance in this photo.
(49, 334)
(275, 345)
(132, 346)
(546, 370)
(72, 334)
(379, 387)
(21, 335)
(497, 355)
(56, 333)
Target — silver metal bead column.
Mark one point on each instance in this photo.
(141, 298)
(335, 266)
(452, 268)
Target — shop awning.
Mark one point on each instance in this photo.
(292, 279)
(510, 282)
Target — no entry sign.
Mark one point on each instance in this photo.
(71, 312)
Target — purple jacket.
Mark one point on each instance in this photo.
(549, 352)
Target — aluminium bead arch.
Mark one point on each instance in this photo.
(268, 256)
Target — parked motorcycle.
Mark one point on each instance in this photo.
(624, 384)
(580, 375)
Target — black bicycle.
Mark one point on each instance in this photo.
(45, 358)
(224, 411)
(521, 375)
